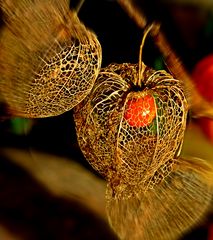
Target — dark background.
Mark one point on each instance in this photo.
(189, 29)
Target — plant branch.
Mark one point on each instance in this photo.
(199, 106)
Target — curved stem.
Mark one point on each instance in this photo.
(80, 4)
(200, 107)
(142, 66)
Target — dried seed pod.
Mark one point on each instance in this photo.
(174, 205)
(130, 129)
(49, 60)
(132, 136)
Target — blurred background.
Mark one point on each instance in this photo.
(48, 190)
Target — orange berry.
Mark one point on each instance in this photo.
(140, 112)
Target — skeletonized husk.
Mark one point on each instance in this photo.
(165, 212)
(151, 193)
(110, 143)
(49, 60)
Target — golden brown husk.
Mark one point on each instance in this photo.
(49, 60)
(151, 193)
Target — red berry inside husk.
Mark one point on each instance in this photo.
(140, 112)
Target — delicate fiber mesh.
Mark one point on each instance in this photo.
(133, 136)
(108, 140)
(97, 119)
(164, 212)
(49, 60)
